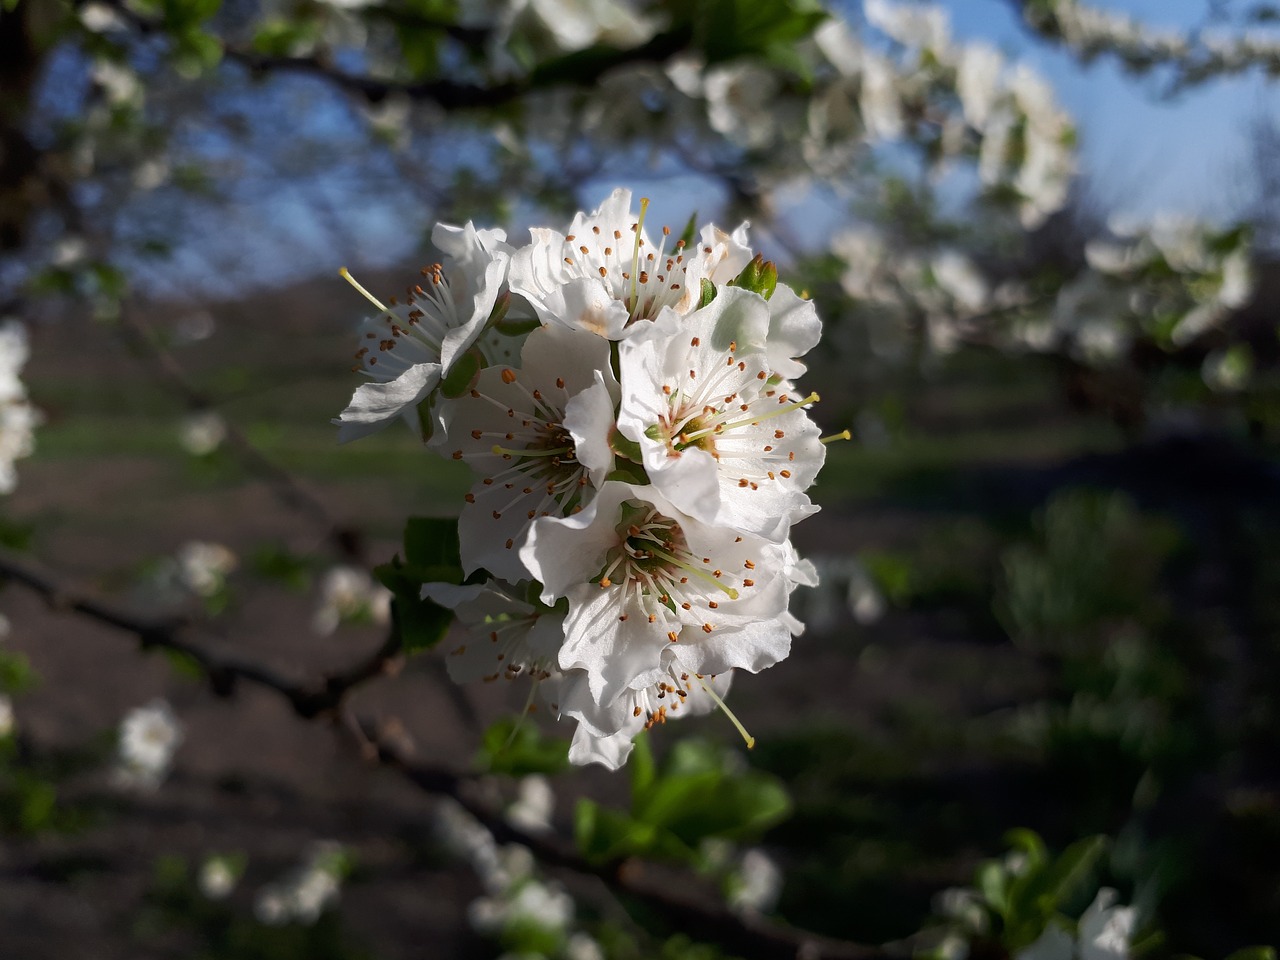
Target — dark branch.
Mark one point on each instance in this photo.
(751, 937)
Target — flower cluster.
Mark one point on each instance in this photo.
(640, 452)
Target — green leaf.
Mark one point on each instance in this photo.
(432, 541)
(1253, 953)
(993, 883)
(641, 766)
(517, 747)
(603, 834)
(420, 623)
(690, 233)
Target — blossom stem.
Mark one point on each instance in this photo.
(750, 740)
(346, 275)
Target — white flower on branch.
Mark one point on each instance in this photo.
(149, 737)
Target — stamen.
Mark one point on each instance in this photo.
(343, 272)
(528, 452)
(696, 571)
(842, 435)
(751, 741)
(749, 421)
(635, 257)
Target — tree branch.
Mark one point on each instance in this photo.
(750, 936)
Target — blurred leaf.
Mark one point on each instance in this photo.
(282, 565)
(516, 746)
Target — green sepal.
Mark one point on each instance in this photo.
(499, 311)
(463, 375)
(708, 293)
(759, 276)
(624, 446)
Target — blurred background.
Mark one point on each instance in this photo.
(1044, 238)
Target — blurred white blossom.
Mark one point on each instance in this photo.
(203, 567)
(218, 877)
(756, 884)
(6, 715)
(202, 433)
(534, 805)
(149, 736)
(350, 593)
(304, 893)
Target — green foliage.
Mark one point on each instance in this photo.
(432, 555)
(16, 675)
(728, 29)
(696, 793)
(1029, 889)
(281, 565)
(1096, 562)
(281, 37)
(517, 747)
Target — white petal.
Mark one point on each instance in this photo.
(375, 404)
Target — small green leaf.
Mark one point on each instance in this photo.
(463, 375)
(1253, 953)
(432, 542)
(708, 293)
(516, 746)
(626, 447)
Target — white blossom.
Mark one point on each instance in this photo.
(409, 348)
(721, 437)
(537, 438)
(641, 577)
(508, 636)
(217, 877)
(606, 274)
(756, 884)
(18, 418)
(149, 737)
(304, 893)
(350, 593)
(202, 433)
(534, 805)
(203, 567)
